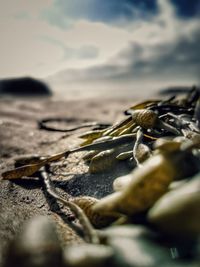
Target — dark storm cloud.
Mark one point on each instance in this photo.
(177, 60)
(183, 59)
(64, 12)
(180, 58)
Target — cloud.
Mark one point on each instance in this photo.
(81, 52)
(177, 60)
(88, 52)
(165, 47)
(25, 51)
(103, 41)
(63, 13)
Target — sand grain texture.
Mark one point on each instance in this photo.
(19, 135)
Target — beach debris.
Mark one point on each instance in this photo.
(36, 245)
(98, 220)
(160, 139)
(144, 186)
(87, 255)
(178, 212)
(90, 233)
(146, 122)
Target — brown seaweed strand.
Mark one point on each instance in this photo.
(90, 233)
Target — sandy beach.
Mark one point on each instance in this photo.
(22, 199)
(19, 135)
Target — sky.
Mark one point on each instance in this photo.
(118, 43)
